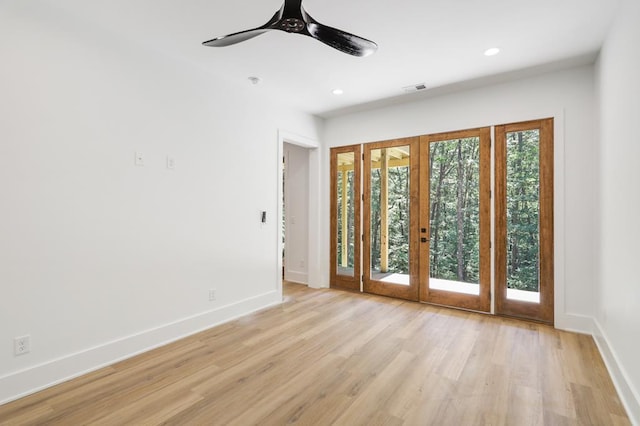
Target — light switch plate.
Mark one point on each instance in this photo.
(139, 159)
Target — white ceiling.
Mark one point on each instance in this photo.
(436, 42)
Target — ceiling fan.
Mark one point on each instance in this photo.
(292, 18)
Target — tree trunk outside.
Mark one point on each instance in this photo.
(435, 217)
(460, 215)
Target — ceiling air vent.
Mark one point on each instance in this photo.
(415, 88)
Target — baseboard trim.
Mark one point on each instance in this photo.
(629, 396)
(297, 277)
(575, 323)
(34, 379)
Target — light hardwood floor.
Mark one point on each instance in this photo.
(331, 357)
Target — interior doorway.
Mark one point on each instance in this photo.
(295, 217)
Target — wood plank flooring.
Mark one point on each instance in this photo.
(330, 357)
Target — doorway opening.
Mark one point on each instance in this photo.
(295, 214)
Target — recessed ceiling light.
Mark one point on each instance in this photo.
(255, 80)
(337, 92)
(491, 52)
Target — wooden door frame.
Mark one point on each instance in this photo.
(544, 311)
(345, 282)
(409, 292)
(481, 302)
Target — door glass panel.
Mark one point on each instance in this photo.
(346, 214)
(454, 203)
(390, 178)
(523, 206)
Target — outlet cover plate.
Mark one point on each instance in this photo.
(21, 345)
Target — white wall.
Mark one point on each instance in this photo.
(617, 291)
(100, 259)
(297, 213)
(566, 95)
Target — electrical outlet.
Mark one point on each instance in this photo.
(21, 345)
(212, 295)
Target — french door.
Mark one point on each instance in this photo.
(391, 179)
(455, 219)
(426, 219)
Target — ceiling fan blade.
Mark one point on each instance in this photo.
(341, 40)
(241, 36)
(234, 38)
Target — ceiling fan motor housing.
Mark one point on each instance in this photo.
(292, 25)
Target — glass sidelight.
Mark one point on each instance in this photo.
(390, 218)
(454, 219)
(524, 220)
(523, 200)
(345, 217)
